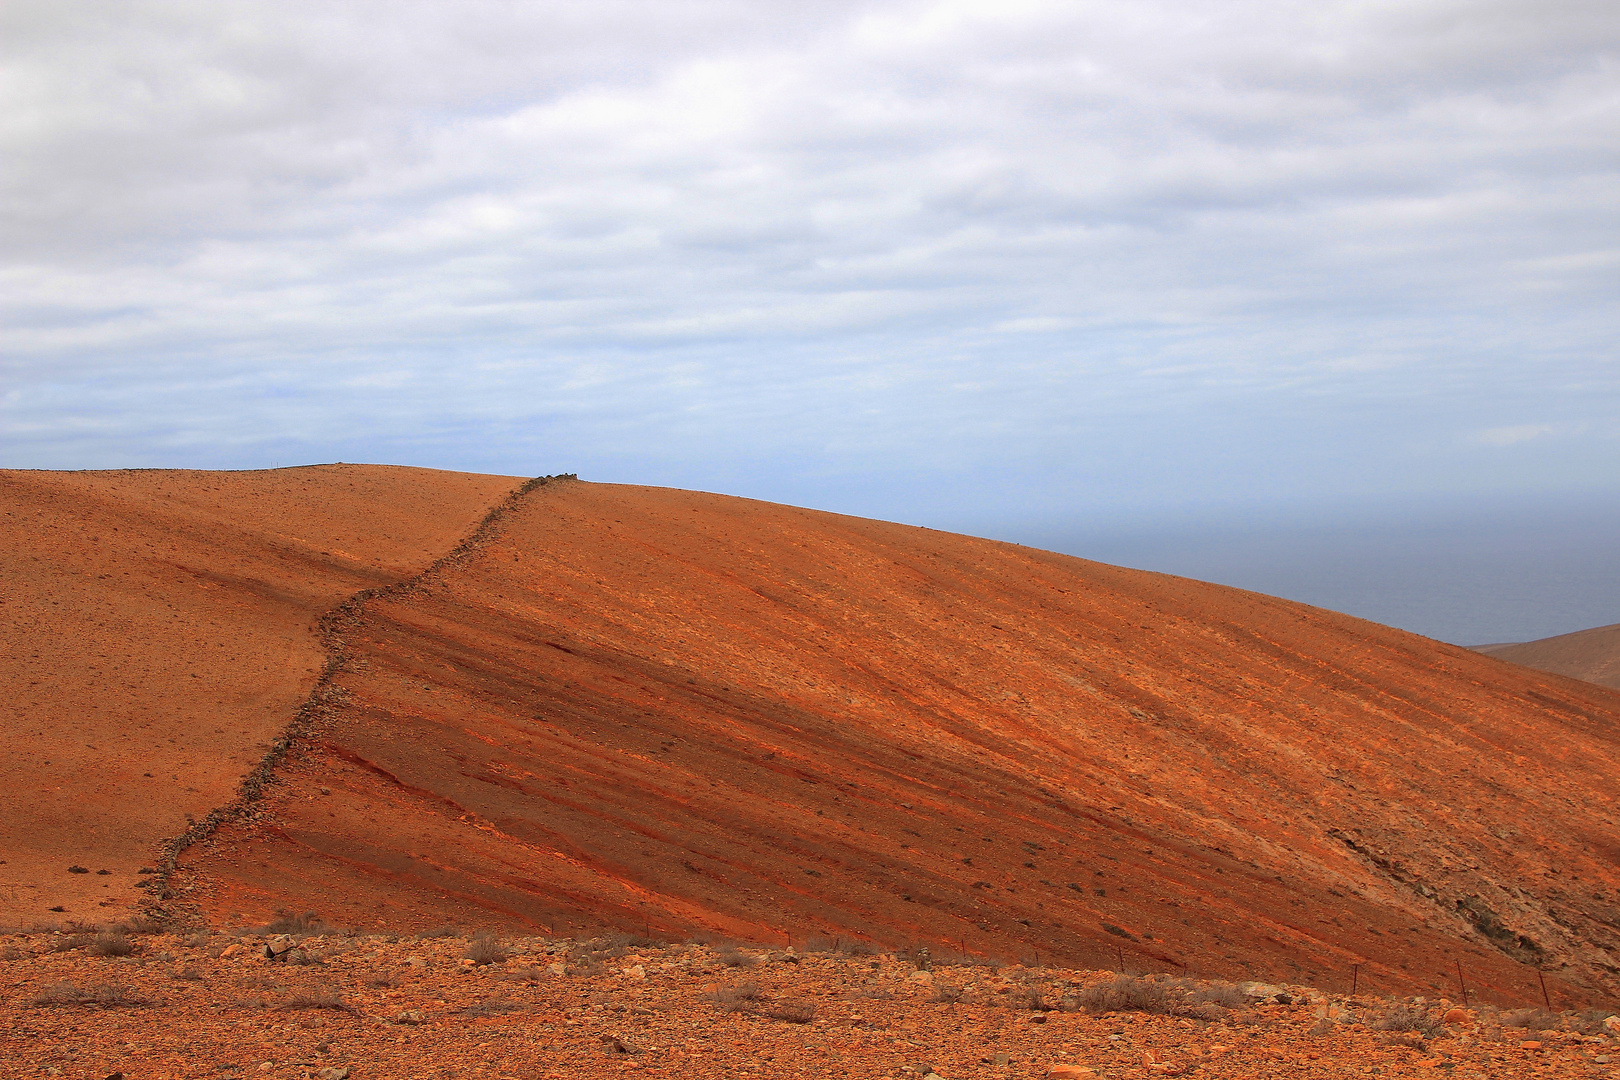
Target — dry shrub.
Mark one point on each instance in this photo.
(819, 945)
(286, 922)
(495, 1006)
(1028, 996)
(1124, 993)
(189, 974)
(73, 941)
(140, 925)
(946, 995)
(11, 952)
(441, 932)
(793, 1012)
(738, 998)
(316, 999)
(1534, 1019)
(1226, 995)
(105, 996)
(484, 949)
(585, 967)
(1403, 1018)
(1588, 1021)
(731, 956)
(529, 973)
(112, 943)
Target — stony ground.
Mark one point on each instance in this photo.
(333, 1006)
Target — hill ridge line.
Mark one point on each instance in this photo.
(322, 701)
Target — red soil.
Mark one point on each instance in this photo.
(159, 631)
(381, 1009)
(673, 712)
(1593, 655)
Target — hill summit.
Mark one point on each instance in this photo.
(680, 714)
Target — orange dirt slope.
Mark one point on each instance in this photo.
(159, 631)
(682, 713)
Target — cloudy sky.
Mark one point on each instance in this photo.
(1005, 267)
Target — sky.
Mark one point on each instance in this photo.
(1131, 279)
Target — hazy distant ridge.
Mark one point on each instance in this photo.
(1593, 655)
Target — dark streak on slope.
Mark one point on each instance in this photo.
(322, 700)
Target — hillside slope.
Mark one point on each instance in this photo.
(681, 713)
(1592, 655)
(157, 633)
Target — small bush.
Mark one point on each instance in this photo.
(495, 1006)
(738, 998)
(1534, 1019)
(189, 974)
(286, 922)
(1029, 996)
(483, 950)
(528, 973)
(819, 945)
(1588, 1021)
(793, 1012)
(585, 968)
(1404, 1018)
(731, 956)
(112, 943)
(104, 996)
(72, 941)
(143, 925)
(1124, 993)
(946, 995)
(1226, 995)
(316, 999)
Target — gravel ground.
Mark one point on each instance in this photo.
(214, 1006)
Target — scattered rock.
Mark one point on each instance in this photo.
(635, 971)
(557, 969)
(618, 1044)
(233, 950)
(333, 1072)
(1070, 1072)
(409, 1016)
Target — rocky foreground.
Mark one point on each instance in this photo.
(338, 1007)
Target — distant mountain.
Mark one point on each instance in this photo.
(1593, 655)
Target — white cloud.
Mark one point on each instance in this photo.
(851, 225)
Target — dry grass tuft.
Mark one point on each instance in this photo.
(731, 956)
(1124, 993)
(104, 995)
(792, 1012)
(484, 949)
(286, 922)
(316, 999)
(112, 943)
